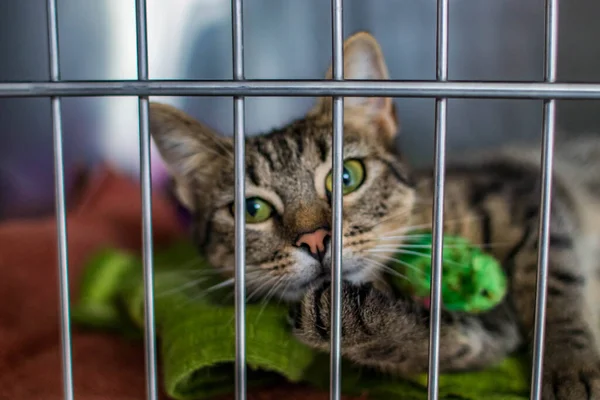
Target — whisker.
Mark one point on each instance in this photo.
(399, 242)
(411, 228)
(402, 245)
(180, 288)
(253, 273)
(228, 282)
(188, 264)
(203, 293)
(192, 273)
(385, 268)
(416, 253)
(393, 216)
(268, 297)
(266, 281)
(401, 262)
(429, 224)
(405, 237)
(285, 288)
(405, 245)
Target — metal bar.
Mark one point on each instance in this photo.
(438, 204)
(335, 373)
(240, 203)
(60, 204)
(550, 73)
(146, 194)
(316, 88)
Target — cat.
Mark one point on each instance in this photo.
(492, 200)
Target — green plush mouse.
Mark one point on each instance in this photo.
(472, 280)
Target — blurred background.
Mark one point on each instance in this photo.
(284, 39)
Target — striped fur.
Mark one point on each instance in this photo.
(493, 200)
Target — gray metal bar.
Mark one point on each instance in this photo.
(335, 373)
(240, 203)
(317, 88)
(61, 214)
(146, 194)
(550, 72)
(438, 203)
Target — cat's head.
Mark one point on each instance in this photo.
(288, 183)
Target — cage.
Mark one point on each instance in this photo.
(473, 75)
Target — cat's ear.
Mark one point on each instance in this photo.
(363, 60)
(191, 150)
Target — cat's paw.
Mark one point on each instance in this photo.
(363, 308)
(571, 379)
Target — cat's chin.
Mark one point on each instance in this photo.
(355, 276)
(310, 273)
(295, 293)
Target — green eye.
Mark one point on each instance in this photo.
(257, 210)
(352, 177)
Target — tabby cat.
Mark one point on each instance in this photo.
(492, 200)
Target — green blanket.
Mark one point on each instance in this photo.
(196, 330)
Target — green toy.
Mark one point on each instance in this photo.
(472, 280)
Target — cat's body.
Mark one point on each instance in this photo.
(493, 200)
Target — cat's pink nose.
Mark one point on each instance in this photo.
(315, 243)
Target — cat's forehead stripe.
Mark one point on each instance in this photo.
(286, 154)
(299, 142)
(258, 166)
(260, 145)
(322, 147)
(252, 174)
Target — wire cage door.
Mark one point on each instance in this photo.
(239, 88)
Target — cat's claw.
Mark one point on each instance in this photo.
(571, 381)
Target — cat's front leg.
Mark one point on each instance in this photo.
(571, 367)
(392, 334)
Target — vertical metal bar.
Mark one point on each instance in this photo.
(240, 203)
(438, 207)
(146, 180)
(61, 214)
(550, 72)
(337, 168)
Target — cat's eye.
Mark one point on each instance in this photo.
(353, 176)
(257, 210)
